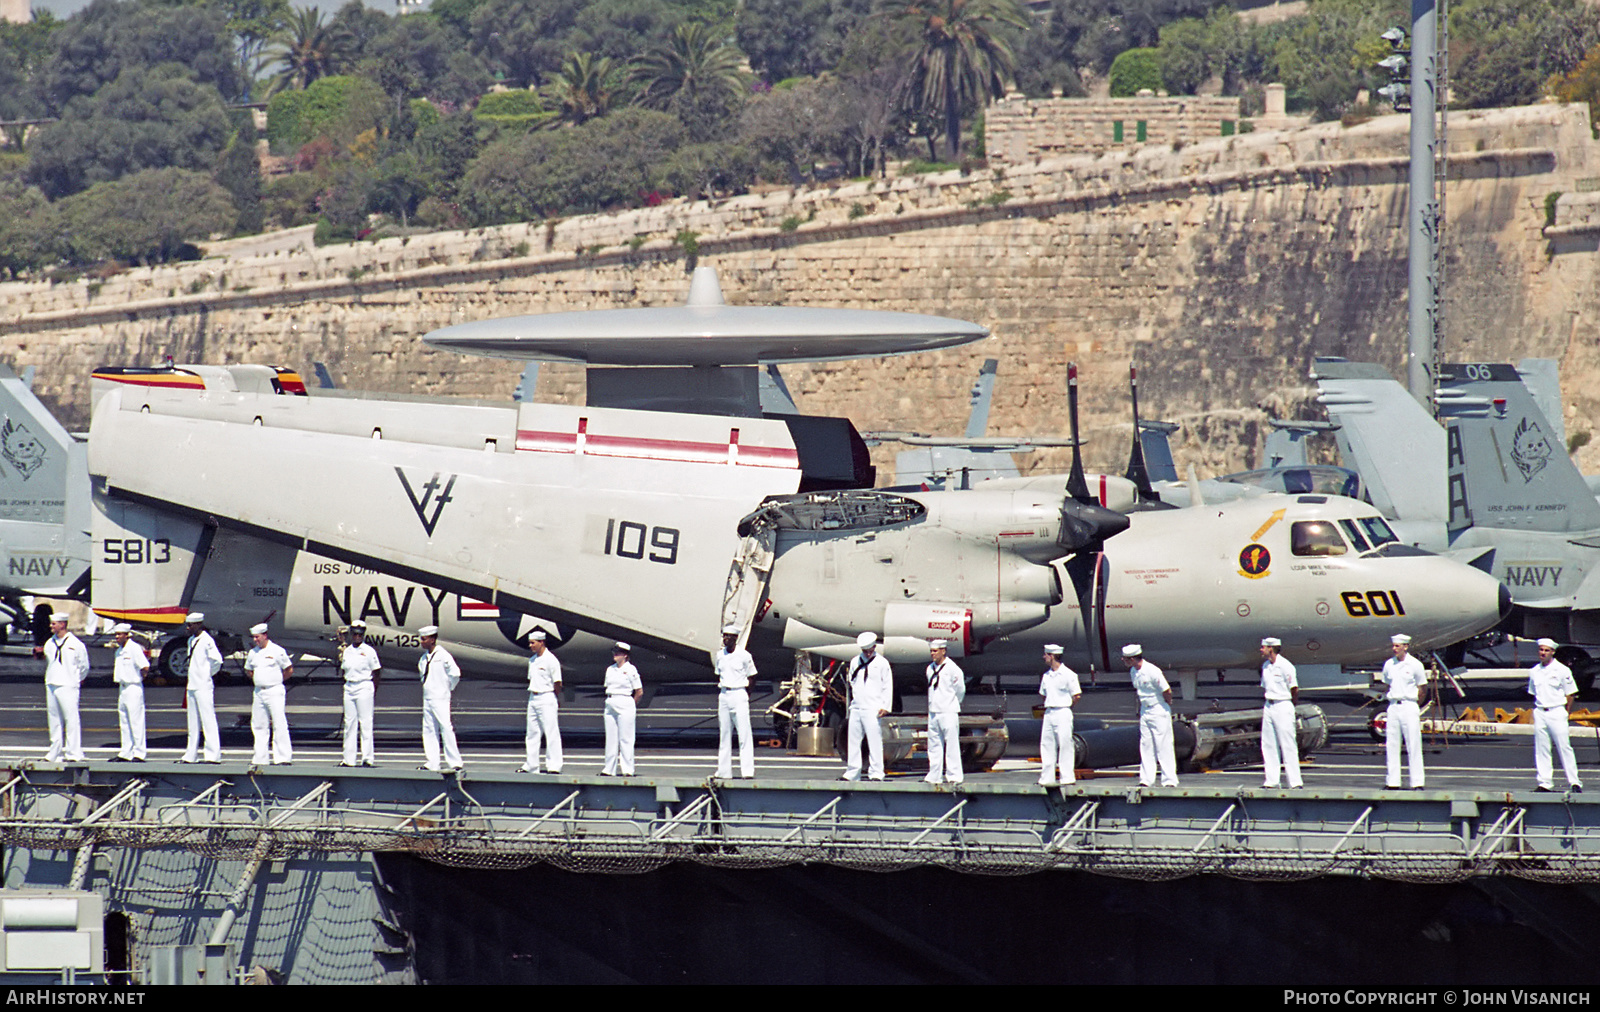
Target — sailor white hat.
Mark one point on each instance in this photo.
(259, 629)
(122, 627)
(620, 647)
(59, 616)
(358, 624)
(1132, 650)
(1054, 648)
(195, 616)
(866, 640)
(1271, 641)
(730, 630)
(938, 645)
(428, 630)
(1400, 639)
(1547, 642)
(537, 636)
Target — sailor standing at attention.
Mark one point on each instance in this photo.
(360, 665)
(544, 682)
(205, 660)
(66, 665)
(623, 689)
(947, 688)
(1279, 749)
(128, 672)
(439, 675)
(269, 667)
(871, 683)
(735, 667)
(1553, 689)
(1060, 689)
(1408, 686)
(1155, 718)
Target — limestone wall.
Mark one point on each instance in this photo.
(1222, 267)
(1025, 129)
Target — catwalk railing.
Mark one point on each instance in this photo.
(587, 824)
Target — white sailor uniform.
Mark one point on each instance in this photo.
(1280, 752)
(360, 664)
(542, 728)
(947, 689)
(269, 717)
(734, 671)
(1403, 722)
(620, 714)
(66, 665)
(1155, 726)
(128, 672)
(871, 692)
(439, 675)
(205, 660)
(1550, 684)
(1056, 748)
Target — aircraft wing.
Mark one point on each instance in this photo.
(623, 520)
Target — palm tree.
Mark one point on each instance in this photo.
(690, 66)
(585, 87)
(958, 57)
(308, 49)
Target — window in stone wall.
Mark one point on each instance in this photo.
(1116, 131)
(1227, 128)
(1140, 131)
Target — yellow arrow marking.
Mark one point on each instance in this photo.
(1264, 528)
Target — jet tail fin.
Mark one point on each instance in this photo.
(1507, 469)
(44, 492)
(1387, 437)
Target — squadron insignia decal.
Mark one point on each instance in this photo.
(431, 496)
(1255, 562)
(1530, 450)
(21, 449)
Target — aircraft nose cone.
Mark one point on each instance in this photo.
(1083, 525)
(1505, 602)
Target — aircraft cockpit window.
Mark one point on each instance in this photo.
(1377, 531)
(1316, 537)
(1354, 534)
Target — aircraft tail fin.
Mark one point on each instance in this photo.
(1506, 467)
(44, 491)
(1387, 437)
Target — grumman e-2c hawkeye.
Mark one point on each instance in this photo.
(627, 522)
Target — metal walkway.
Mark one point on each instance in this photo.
(636, 824)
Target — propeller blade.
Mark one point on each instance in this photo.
(1137, 472)
(1077, 485)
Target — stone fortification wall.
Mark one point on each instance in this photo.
(1020, 129)
(1223, 267)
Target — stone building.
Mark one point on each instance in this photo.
(1019, 129)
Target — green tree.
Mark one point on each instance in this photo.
(148, 217)
(340, 108)
(101, 41)
(239, 172)
(419, 56)
(603, 163)
(149, 117)
(517, 107)
(795, 38)
(524, 40)
(254, 23)
(1186, 55)
(1134, 70)
(29, 229)
(1582, 84)
(307, 49)
(1504, 52)
(1319, 56)
(694, 75)
(585, 87)
(960, 57)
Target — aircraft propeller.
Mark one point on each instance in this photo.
(1085, 526)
